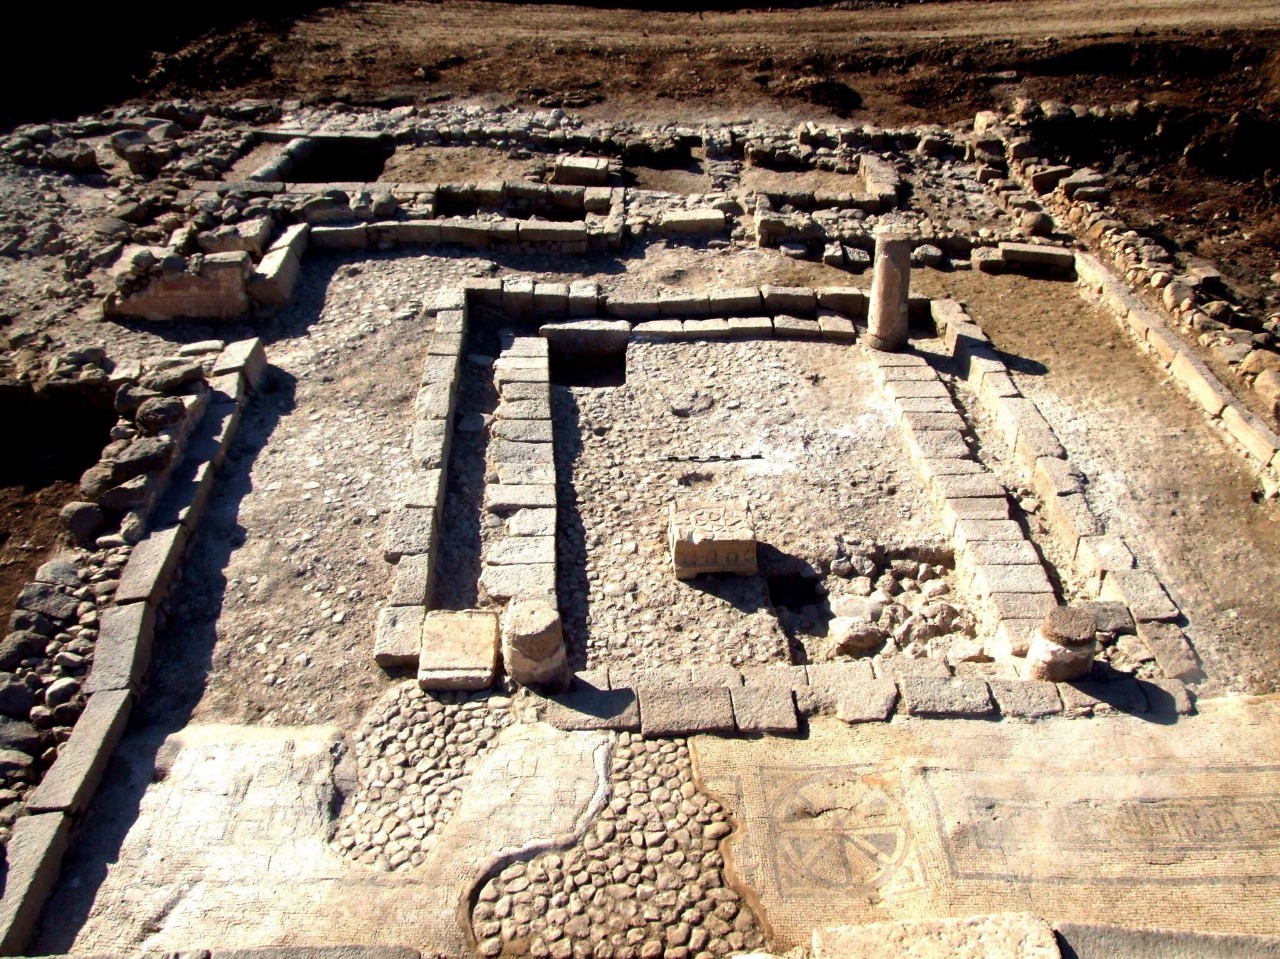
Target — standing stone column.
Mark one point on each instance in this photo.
(1062, 649)
(887, 314)
(533, 645)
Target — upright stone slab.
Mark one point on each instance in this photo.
(1062, 649)
(890, 284)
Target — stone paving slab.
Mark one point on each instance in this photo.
(1006, 936)
(151, 564)
(71, 781)
(32, 857)
(530, 580)
(1025, 699)
(1141, 592)
(861, 701)
(586, 706)
(759, 710)
(935, 696)
(1093, 697)
(522, 550)
(685, 710)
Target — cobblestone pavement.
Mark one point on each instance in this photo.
(415, 754)
(647, 879)
(1121, 822)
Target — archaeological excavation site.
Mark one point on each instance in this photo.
(644, 482)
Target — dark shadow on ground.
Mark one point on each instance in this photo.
(572, 590)
(459, 554)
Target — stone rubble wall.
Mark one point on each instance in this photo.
(122, 650)
(1191, 293)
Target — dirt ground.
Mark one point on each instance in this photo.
(452, 165)
(1159, 474)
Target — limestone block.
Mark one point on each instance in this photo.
(522, 551)
(584, 298)
(939, 696)
(513, 474)
(294, 239)
(469, 233)
(588, 336)
(151, 564)
(794, 300)
(34, 857)
(354, 237)
(691, 222)
(123, 649)
(409, 531)
(537, 408)
(551, 299)
(762, 709)
(981, 531)
(1070, 519)
(631, 306)
(537, 231)
(502, 583)
(581, 171)
(1037, 255)
(1173, 653)
(459, 649)
(1141, 592)
(744, 301)
(273, 279)
(796, 328)
(517, 296)
(533, 650)
(429, 443)
(422, 489)
(985, 508)
(1258, 439)
(1200, 383)
(532, 522)
(412, 581)
(506, 451)
(683, 304)
(523, 431)
(1025, 699)
(1096, 556)
(708, 537)
(683, 710)
(587, 705)
(836, 328)
(71, 781)
(849, 301)
(398, 635)
(1056, 477)
(750, 327)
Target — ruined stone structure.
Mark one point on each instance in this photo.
(549, 566)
